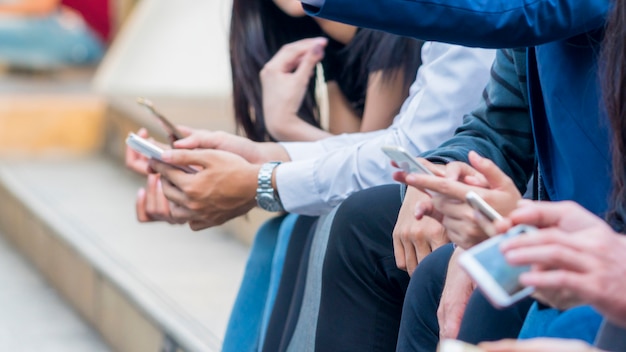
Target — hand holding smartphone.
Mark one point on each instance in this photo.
(449, 345)
(405, 161)
(152, 151)
(169, 127)
(496, 278)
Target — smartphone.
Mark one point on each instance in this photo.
(476, 202)
(450, 345)
(404, 160)
(169, 127)
(152, 151)
(496, 278)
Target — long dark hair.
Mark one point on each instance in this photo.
(258, 28)
(614, 92)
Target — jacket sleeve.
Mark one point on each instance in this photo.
(500, 128)
(482, 23)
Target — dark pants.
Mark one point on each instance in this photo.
(363, 291)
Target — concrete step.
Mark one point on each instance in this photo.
(34, 317)
(52, 113)
(144, 287)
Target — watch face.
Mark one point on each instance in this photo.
(267, 202)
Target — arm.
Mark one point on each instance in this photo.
(447, 84)
(342, 118)
(492, 24)
(500, 128)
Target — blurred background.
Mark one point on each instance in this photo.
(77, 272)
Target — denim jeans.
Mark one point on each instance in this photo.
(581, 323)
(257, 293)
(61, 39)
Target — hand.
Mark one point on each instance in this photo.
(151, 204)
(576, 258)
(484, 178)
(456, 293)
(224, 187)
(537, 345)
(284, 81)
(415, 239)
(136, 161)
(253, 152)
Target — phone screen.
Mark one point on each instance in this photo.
(505, 275)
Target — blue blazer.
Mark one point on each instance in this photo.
(571, 131)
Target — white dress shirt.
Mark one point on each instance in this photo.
(449, 84)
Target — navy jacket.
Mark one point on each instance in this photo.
(571, 132)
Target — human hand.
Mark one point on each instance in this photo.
(537, 345)
(223, 188)
(456, 293)
(285, 80)
(415, 239)
(134, 160)
(482, 177)
(253, 152)
(575, 257)
(151, 204)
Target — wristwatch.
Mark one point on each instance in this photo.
(266, 196)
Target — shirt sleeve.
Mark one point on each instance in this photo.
(316, 3)
(322, 174)
(487, 24)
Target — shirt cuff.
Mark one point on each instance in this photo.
(303, 150)
(297, 189)
(316, 3)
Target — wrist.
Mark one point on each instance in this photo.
(271, 151)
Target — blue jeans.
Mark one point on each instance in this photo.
(255, 300)
(60, 39)
(581, 323)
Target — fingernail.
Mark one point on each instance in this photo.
(166, 155)
(141, 192)
(318, 50)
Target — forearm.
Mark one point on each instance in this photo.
(493, 24)
(295, 129)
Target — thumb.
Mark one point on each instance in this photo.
(197, 140)
(185, 157)
(492, 173)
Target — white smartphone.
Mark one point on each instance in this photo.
(496, 278)
(404, 160)
(476, 202)
(450, 345)
(152, 151)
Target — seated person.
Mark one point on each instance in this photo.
(48, 34)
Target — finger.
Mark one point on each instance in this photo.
(287, 58)
(508, 345)
(173, 175)
(198, 139)
(557, 280)
(495, 177)
(198, 225)
(440, 185)
(422, 249)
(140, 206)
(545, 214)
(175, 195)
(551, 256)
(459, 170)
(181, 214)
(161, 202)
(410, 256)
(424, 208)
(399, 253)
(307, 65)
(548, 236)
(151, 189)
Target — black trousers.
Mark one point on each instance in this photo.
(363, 292)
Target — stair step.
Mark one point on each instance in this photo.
(142, 286)
(28, 307)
